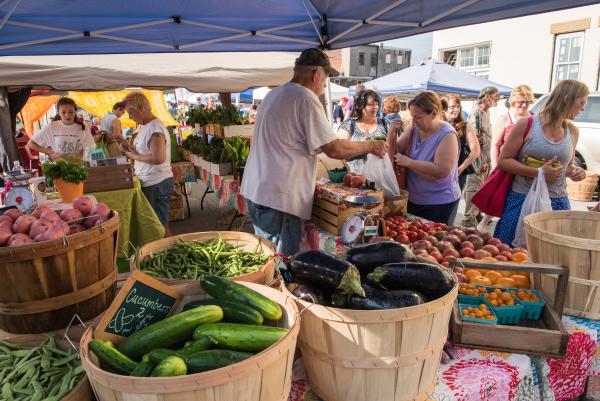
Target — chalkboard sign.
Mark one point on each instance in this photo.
(141, 302)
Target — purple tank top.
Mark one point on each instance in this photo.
(423, 191)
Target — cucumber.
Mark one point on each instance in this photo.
(170, 366)
(158, 354)
(222, 288)
(201, 344)
(110, 357)
(233, 312)
(214, 359)
(169, 332)
(144, 368)
(241, 337)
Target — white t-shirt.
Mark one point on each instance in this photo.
(64, 138)
(107, 120)
(152, 174)
(281, 167)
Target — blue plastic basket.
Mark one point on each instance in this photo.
(531, 310)
(474, 319)
(506, 314)
(471, 299)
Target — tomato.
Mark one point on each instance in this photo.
(403, 238)
(421, 234)
(412, 236)
(391, 233)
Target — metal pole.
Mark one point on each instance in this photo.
(328, 101)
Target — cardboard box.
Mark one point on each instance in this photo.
(239, 130)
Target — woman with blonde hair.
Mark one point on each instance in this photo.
(391, 108)
(151, 155)
(428, 150)
(519, 101)
(550, 136)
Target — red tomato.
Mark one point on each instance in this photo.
(403, 238)
(412, 236)
(421, 234)
(391, 233)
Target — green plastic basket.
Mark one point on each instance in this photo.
(531, 310)
(506, 314)
(474, 319)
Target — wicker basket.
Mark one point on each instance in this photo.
(262, 276)
(267, 376)
(357, 355)
(572, 239)
(582, 190)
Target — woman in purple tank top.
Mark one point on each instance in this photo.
(430, 157)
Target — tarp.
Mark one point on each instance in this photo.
(34, 27)
(433, 75)
(338, 92)
(100, 103)
(35, 108)
(255, 94)
(212, 72)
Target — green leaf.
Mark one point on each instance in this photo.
(69, 170)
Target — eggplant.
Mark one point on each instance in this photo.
(311, 294)
(431, 280)
(376, 299)
(366, 257)
(326, 272)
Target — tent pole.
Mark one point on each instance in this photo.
(328, 101)
(8, 145)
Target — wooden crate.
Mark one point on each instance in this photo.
(544, 337)
(109, 178)
(176, 211)
(330, 212)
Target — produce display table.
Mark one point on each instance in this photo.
(139, 223)
(227, 191)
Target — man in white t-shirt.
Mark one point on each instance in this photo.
(291, 130)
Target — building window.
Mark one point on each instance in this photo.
(567, 56)
(476, 56)
(361, 59)
(466, 57)
(388, 58)
(399, 60)
(483, 55)
(373, 59)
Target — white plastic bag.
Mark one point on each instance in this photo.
(537, 200)
(381, 172)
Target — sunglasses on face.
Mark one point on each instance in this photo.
(523, 102)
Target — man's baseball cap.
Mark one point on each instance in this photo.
(488, 90)
(316, 58)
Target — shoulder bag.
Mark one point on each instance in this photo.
(491, 196)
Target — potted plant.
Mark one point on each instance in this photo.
(67, 176)
(238, 150)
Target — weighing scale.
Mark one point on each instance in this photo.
(20, 193)
(363, 224)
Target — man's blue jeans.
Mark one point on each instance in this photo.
(282, 229)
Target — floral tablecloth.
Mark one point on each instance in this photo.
(226, 189)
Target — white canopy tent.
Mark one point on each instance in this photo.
(200, 72)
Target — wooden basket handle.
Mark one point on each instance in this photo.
(561, 271)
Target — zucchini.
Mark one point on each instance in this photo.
(379, 299)
(170, 366)
(169, 332)
(222, 288)
(366, 257)
(241, 337)
(110, 357)
(144, 368)
(326, 272)
(201, 344)
(233, 312)
(214, 359)
(431, 280)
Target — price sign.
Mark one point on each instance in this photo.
(141, 302)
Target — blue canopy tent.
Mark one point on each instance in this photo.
(59, 27)
(433, 75)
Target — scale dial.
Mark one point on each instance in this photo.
(352, 228)
(21, 197)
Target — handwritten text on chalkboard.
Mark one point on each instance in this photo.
(142, 307)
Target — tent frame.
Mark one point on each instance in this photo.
(321, 41)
